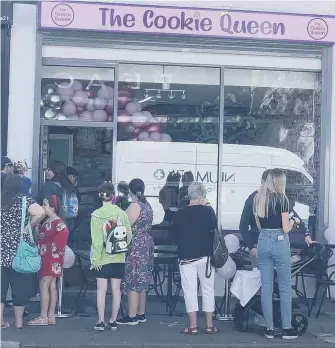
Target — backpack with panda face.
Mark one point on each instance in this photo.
(115, 236)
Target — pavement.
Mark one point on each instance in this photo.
(160, 331)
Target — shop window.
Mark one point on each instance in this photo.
(168, 126)
(273, 117)
(77, 107)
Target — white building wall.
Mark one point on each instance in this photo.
(22, 83)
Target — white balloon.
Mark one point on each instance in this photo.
(329, 234)
(232, 243)
(139, 120)
(77, 86)
(133, 107)
(69, 257)
(143, 135)
(165, 138)
(228, 270)
(155, 136)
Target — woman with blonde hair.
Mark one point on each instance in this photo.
(271, 210)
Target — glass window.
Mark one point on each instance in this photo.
(271, 120)
(168, 132)
(77, 107)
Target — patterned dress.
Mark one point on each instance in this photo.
(140, 257)
(51, 244)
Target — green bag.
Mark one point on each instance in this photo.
(27, 259)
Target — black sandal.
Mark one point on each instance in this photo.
(190, 331)
(211, 330)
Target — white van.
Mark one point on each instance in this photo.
(243, 166)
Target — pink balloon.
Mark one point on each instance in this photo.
(99, 115)
(65, 90)
(106, 92)
(143, 135)
(69, 108)
(80, 109)
(133, 107)
(86, 116)
(154, 127)
(140, 120)
(155, 136)
(110, 106)
(100, 103)
(90, 105)
(125, 91)
(80, 98)
(123, 100)
(77, 86)
(166, 138)
(89, 93)
(124, 119)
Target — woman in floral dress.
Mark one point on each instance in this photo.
(140, 258)
(51, 244)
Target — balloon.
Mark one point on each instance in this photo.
(106, 92)
(62, 117)
(232, 243)
(143, 135)
(69, 108)
(86, 116)
(133, 107)
(154, 127)
(110, 106)
(130, 128)
(80, 109)
(329, 234)
(73, 118)
(69, 257)
(137, 131)
(166, 138)
(155, 136)
(89, 93)
(140, 120)
(99, 116)
(80, 98)
(123, 100)
(54, 100)
(100, 103)
(65, 90)
(125, 91)
(77, 86)
(125, 119)
(228, 270)
(49, 88)
(90, 105)
(49, 114)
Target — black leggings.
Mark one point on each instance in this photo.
(20, 283)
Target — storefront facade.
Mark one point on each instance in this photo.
(154, 92)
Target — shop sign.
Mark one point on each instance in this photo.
(196, 22)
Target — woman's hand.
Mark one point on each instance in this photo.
(97, 267)
(309, 240)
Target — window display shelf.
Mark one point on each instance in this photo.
(77, 123)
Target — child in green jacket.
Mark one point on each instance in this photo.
(111, 235)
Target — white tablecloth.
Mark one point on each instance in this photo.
(245, 285)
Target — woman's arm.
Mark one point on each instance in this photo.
(287, 222)
(133, 213)
(36, 213)
(128, 227)
(97, 241)
(61, 237)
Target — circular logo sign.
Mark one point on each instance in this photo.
(317, 28)
(62, 15)
(159, 174)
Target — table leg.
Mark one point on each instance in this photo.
(169, 300)
(226, 315)
(60, 299)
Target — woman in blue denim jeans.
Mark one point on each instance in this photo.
(271, 210)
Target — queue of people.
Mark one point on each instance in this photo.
(122, 251)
